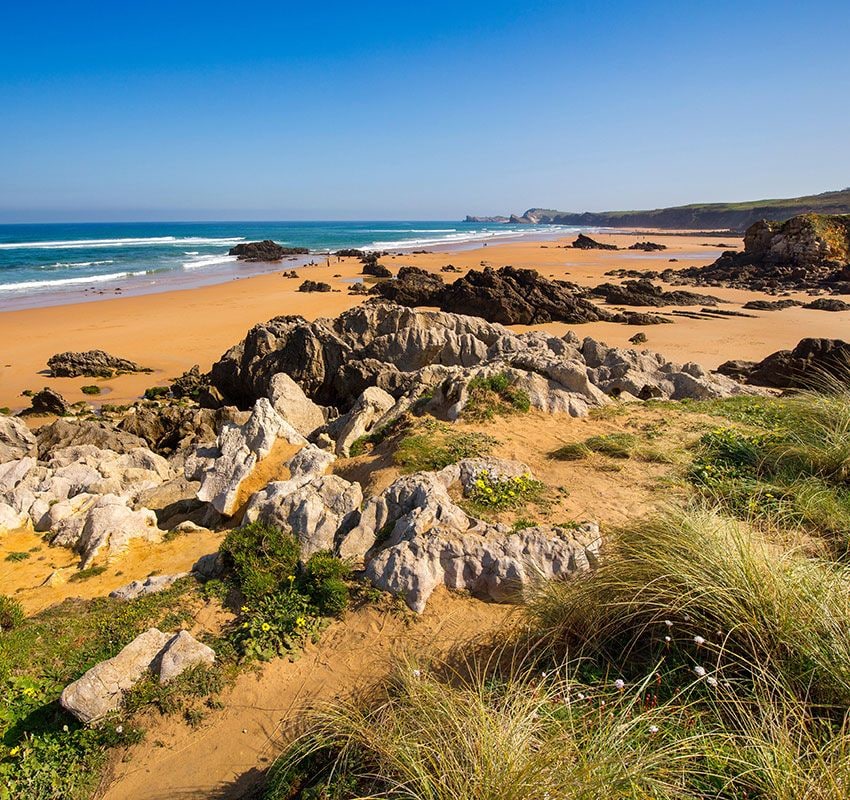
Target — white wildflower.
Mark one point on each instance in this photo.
(700, 671)
(699, 641)
(619, 684)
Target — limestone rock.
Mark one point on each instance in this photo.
(182, 652)
(314, 510)
(294, 406)
(16, 440)
(100, 691)
(369, 408)
(310, 461)
(64, 433)
(150, 585)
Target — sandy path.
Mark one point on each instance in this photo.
(226, 756)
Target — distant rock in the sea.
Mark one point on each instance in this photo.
(267, 250)
(90, 364)
(811, 251)
(586, 243)
(496, 219)
(811, 364)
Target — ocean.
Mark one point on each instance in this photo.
(42, 264)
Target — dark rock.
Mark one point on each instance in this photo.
(168, 428)
(641, 318)
(267, 250)
(189, 384)
(586, 243)
(371, 266)
(350, 253)
(638, 338)
(314, 286)
(517, 297)
(828, 304)
(450, 268)
(412, 287)
(90, 364)
(649, 247)
(770, 305)
(644, 293)
(809, 365)
(45, 402)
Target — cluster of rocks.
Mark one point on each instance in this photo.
(314, 286)
(265, 251)
(807, 252)
(648, 247)
(812, 364)
(583, 242)
(90, 364)
(644, 293)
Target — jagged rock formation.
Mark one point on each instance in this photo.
(91, 364)
(267, 250)
(47, 402)
(16, 440)
(314, 286)
(811, 364)
(645, 293)
(648, 247)
(811, 251)
(828, 304)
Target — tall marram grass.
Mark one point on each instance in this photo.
(526, 738)
(720, 591)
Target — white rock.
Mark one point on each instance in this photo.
(150, 585)
(369, 408)
(181, 653)
(294, 406)
(310, 461)
(16, 440)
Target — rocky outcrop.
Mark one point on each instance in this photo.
(16, 440)
(646, 293)
(647, 247)
(238, 450)
(770, 305)
(369, 408)
(100, 691)
(371, 266)
(828, 304)
(812, 364)
(150, 585)
(409, 352)
(265, 251)
(315, 510)
(412, 287)
(169, 429)
(583, 242)
(64, 433)
(810, 251)
(90, 364)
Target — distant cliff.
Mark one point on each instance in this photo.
(710, 216)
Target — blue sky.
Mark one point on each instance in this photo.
(186, 110)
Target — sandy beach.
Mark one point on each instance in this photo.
(171, 331)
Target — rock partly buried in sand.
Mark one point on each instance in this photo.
(812, 364)
(648, 247)
(314, 286)
(645, 293)
(150, 585)
(16, 440)
(770, 305)
(809, 251)
(90, 364)
(371, 266)
(47, 402)
(586, 243)
(828, 304)
(266, 250)
(412, 287)
(100, 691)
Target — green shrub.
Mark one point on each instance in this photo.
(89, 572)
(494, 492)
(260, 558)
(494, 395)
(437, 445)
(615, 445)
(17, 556)
(157, 392)
(11, 613)
(323, 581)
(277, 624)
(91, 389)
(573, 451)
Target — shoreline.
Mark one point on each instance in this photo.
(171, 331)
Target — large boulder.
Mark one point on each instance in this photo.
(182, 652)
(16, 439)
(90, 364)
(47, 402)
(645, 293)
(63, 433)
(294, 406)
(369, 408)
(150, 585)
(413, 287)
(314, 510)
(266, 250)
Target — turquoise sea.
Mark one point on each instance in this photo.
(52, 263)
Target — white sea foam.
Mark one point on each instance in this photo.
(86, 279)
(72, 264)
(199, 262)
(467, 236)
(79, 244)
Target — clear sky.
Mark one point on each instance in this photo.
(364, 110)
